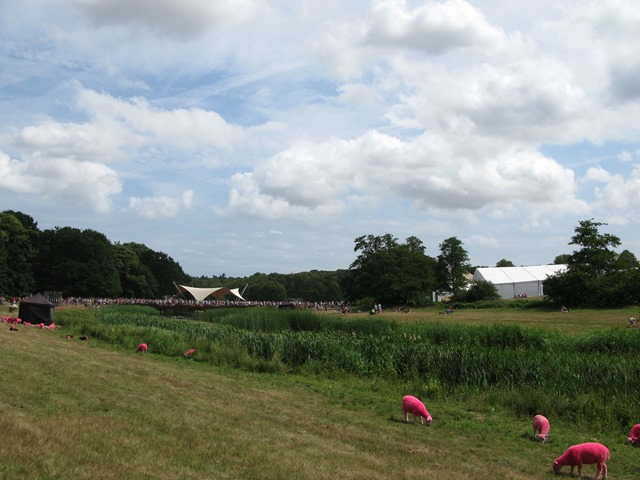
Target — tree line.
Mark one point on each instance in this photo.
(85, 263)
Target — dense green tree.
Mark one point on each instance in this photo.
(596, 276)
(388, 271)
(166, 271)
(27, 221)
(136, 279)
(562, 259)
(77, 263)
(265, 289)
(478, 291)
(595, 255)
(505, 263)
(18, 249)
(627, 260)
(453, 265)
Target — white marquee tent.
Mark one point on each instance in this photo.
(199, 294)
(514, 282)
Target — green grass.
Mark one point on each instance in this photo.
(95, 409)
(576, 321)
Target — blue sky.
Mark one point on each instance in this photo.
(243, 136)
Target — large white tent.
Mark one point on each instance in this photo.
(514, 282)
(199, 294)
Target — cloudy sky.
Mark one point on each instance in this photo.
(243, 136)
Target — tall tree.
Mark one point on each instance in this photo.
(77, 263)
(595, 255)
(388, 271)
(136, 279)
(18, 249)
(164, 268)
(596, 276)
(505, 263)
(453, 265)
(562, 259)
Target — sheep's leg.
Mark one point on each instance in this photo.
(604, 471)
(406, 417)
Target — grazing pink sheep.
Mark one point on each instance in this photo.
(584, 453)
(634, 435)
(190, 352)
(540, 427)
(142, 348)
(414, 406)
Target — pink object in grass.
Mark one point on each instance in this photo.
(190, 352)
(584, 454)
(634, 435)
(142, 348)
(411, 405)
(541, 427)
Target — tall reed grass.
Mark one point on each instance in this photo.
(528, 370)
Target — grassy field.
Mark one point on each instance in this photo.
(576, 321)
(80, 409)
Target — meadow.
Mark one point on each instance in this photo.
(275, 394)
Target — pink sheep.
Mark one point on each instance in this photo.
(414, 406)
(142, 348)
(540, 427)
(584, 453)
(190, 352)
(634, 435)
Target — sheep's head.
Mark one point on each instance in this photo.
(556, 467)
(429, 419)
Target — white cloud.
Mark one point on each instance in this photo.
(184, 129)
(428, 170)
(617, 198)
(162, 206)
(433, 27)
(65, 180)
(482, 240)
(625, 156)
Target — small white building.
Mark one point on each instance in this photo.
(512, 282)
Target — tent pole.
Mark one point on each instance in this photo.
(178, 288)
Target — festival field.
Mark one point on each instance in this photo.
(95, 409)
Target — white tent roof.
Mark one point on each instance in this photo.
(501, 275)
(218, 292)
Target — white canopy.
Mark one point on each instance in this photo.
(515, 281)
(218, 292)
